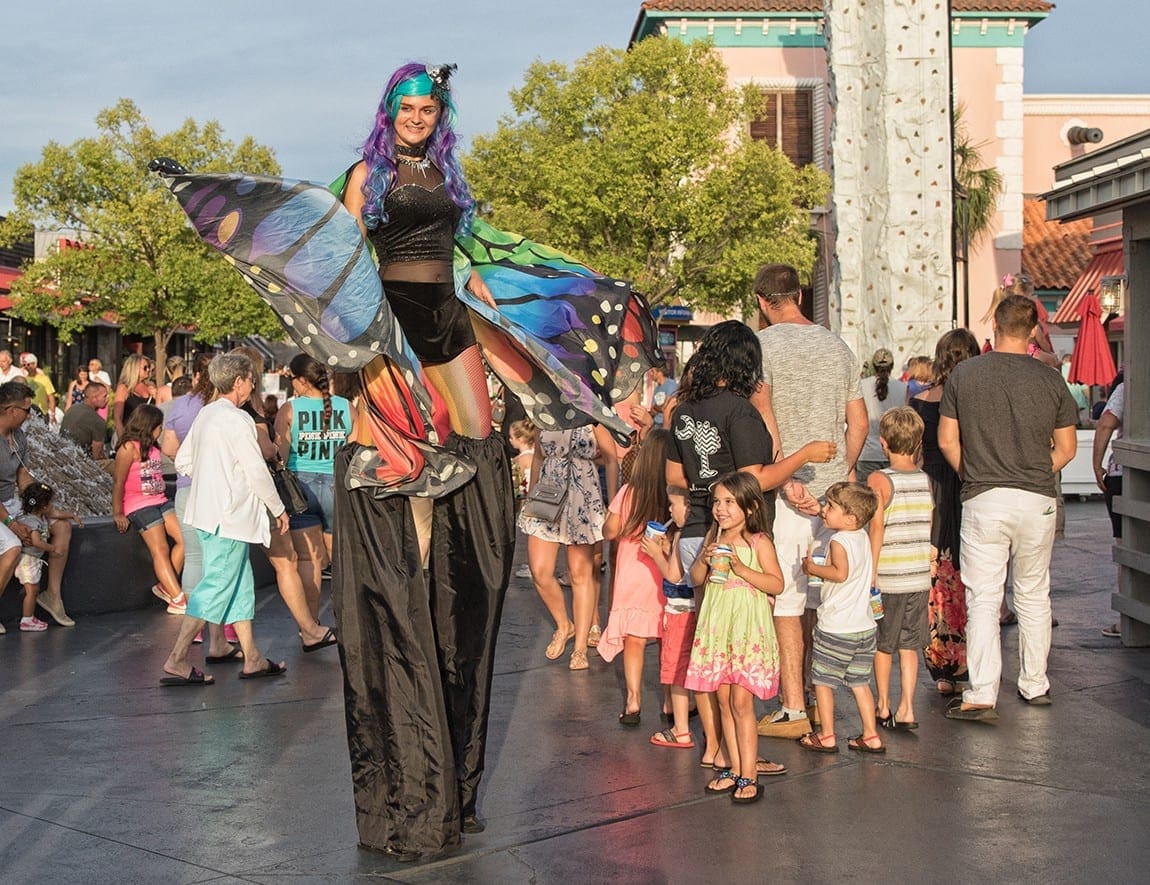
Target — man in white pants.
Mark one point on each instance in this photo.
(810, 392)
(999, 413)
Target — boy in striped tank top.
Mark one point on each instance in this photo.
(903, 562)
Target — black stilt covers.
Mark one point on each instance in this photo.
(417, 657)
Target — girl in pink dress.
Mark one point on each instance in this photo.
(637, 599)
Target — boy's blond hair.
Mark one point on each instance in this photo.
(919, 368)
(855, 499)
(901, 428)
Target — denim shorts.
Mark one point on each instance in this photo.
(320, 491)
(146, 517)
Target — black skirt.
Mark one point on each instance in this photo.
(434, 321)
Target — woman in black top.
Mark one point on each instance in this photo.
(716, 430)
(417, 733)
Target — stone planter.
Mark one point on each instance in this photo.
(110, 572)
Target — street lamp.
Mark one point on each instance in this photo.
(1112, 294)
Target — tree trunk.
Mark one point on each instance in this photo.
(161, 337)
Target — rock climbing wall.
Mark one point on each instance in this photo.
(891, 164)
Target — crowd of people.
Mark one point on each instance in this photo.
(782, 539)
(140, 459)
(754, 532)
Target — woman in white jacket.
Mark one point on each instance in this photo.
(231, 490)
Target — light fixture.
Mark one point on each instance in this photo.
(1112, 294)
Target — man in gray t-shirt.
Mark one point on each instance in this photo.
(811, 387)
(1007, 426)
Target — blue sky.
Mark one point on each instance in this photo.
(303, 77)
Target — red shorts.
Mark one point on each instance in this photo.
(675, 648)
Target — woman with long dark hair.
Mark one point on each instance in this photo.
(717, 431)
(880, 392)
(309, 429)
(946, 655)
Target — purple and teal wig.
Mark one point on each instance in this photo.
(414, 79)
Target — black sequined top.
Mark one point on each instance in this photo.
(421, 219)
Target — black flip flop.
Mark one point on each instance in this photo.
(328, 639)
(234, 656)
(630, 720)
(271, 669)
(724, 775)
(196, 677)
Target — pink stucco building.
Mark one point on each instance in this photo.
(779, 45)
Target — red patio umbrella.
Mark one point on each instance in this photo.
(1091, 362)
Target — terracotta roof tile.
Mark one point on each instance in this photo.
(719, 6)
(1053, 254)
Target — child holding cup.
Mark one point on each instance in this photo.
(637, 599)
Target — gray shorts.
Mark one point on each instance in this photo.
(905, 623)
(842, 659)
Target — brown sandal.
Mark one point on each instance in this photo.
(863, 745)
(811, 741)
(578, 661)
(558, 642)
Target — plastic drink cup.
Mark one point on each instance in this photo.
(721, 564)
(817, 559)
(655, 530)
(876, 607)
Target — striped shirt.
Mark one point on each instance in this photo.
(904, 561)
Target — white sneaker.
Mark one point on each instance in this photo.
(32, 625)
(524, 571)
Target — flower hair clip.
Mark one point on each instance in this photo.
(440, 74)
(1007, 280)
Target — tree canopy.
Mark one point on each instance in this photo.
(640, 162)
(139, 261)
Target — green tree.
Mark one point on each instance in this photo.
(981, 185)
(140, 262)
(640, 163)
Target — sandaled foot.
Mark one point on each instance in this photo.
(593, 637)
(946, 687)
(559, 640)
(818, 743)
(970, 712)
(724, 782)
(578, 661)
(746, 791)
(669, 738)
(195, 677)
(630, 718)
(860, 744)
(766, 768)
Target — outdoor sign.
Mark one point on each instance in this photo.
(673, 313)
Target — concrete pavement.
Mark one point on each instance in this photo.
(106, 777)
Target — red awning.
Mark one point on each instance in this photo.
(1108, 263)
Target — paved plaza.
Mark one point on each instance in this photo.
(106, 777)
